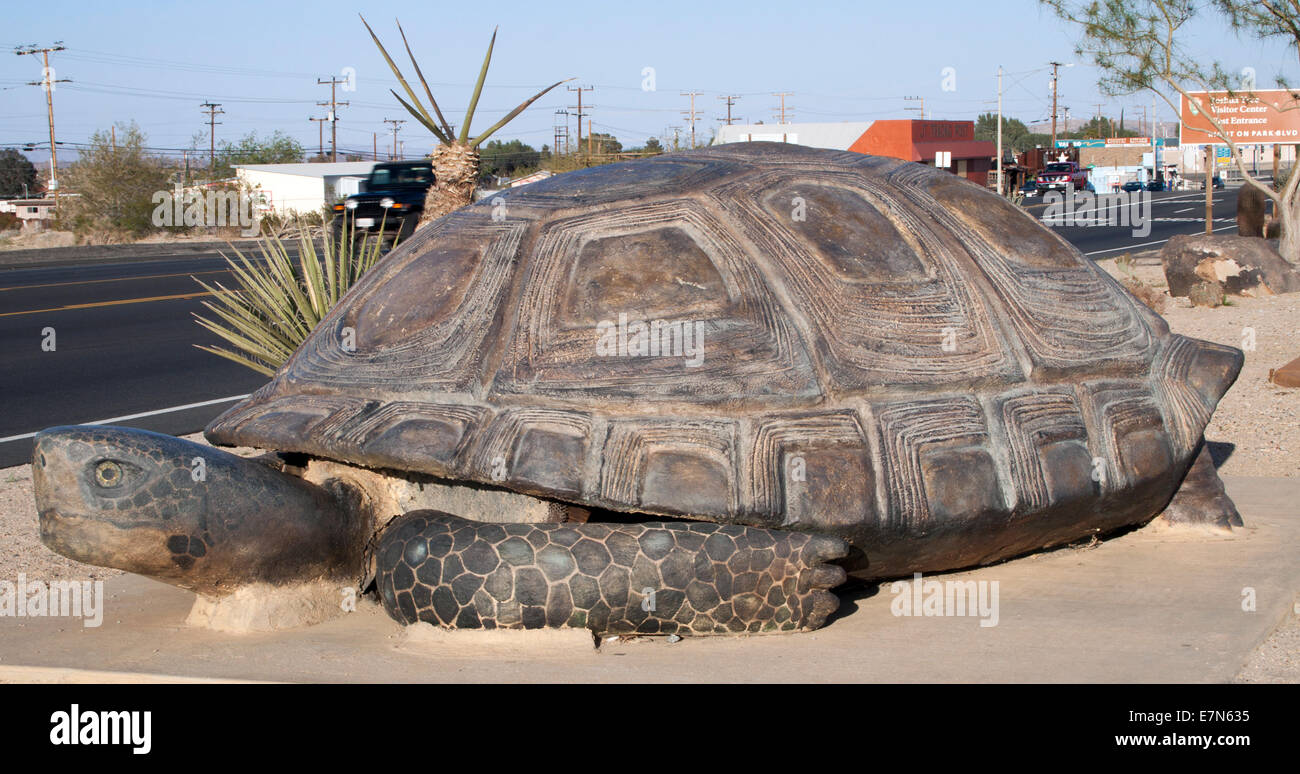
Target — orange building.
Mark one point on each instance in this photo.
(923, 141)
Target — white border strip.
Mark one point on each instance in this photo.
(137, 416)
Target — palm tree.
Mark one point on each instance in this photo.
(455, 160)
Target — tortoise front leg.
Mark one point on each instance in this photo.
(658, 578)
(1201, 499)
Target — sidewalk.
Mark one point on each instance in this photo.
(1155, 605)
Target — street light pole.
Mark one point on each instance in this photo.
(1000, 191)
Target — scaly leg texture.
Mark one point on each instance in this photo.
(658, 578)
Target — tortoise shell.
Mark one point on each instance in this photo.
(762, 334)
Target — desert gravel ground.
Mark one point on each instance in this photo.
(1259, 418)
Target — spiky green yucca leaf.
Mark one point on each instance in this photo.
(440, 128)
(279, 301)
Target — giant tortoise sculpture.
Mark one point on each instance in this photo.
(683, 394)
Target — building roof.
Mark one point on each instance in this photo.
(313, 170)
(919, 140)
(834, 136)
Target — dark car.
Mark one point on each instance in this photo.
(1030, 188)
(1156, 185)
(392, 200)
(1218, 183)
(1132, 185)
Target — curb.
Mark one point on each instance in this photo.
(89, 254)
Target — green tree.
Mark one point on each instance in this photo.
(602, 144)
(17, 174)
(116, 182)
(507, 159)
(1014, 131)
(278, 148)
(1142, 45)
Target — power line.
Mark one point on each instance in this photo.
(213, 112)
(396, 122)
(581, 114)
(783, 95)
(730, 99)
(690, 115)
(47, 82)
(334, 114)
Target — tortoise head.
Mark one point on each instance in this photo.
(186, 514)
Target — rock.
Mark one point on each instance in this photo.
(1154, 299)
(1241, 266)
(1209, 294)
(1286, 376)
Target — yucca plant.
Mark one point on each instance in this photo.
(455, 160)
(279, 300)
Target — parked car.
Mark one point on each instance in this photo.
(1132, 185)
(1218, 183)
(1156, 185)
(1060, 174)
(1030, 188)
(392, 200)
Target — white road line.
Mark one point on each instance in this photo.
(1145, 244)
(137, 416)
(1185, 209)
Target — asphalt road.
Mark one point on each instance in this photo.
(123, 344)
(124, 334)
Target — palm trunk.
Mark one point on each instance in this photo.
(1289, 220)
(455, 172)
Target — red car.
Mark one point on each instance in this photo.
(1059, 174)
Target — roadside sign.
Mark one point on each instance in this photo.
(1261, 117)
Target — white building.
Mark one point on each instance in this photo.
(834, 136)
(33, 214)
(303, 188)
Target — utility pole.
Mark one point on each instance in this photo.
(1155, 160)
(47, 82)
(782, 95)
(676, 130)
(1000, 161)
(213, 112)
(320, 136)
(690, 114)
(920, 109)
(1099, 106)
(581, 114)
(334, 115)
(730, 99)
(374, 145)
(561, 132)
(1055, 66)
(396, 122)
(1209, 188)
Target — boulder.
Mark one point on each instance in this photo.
(1242, 266)
(1206, 294)
(1286, 376)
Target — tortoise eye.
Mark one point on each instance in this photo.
(108, 474)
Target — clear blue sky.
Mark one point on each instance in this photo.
(154, 62)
